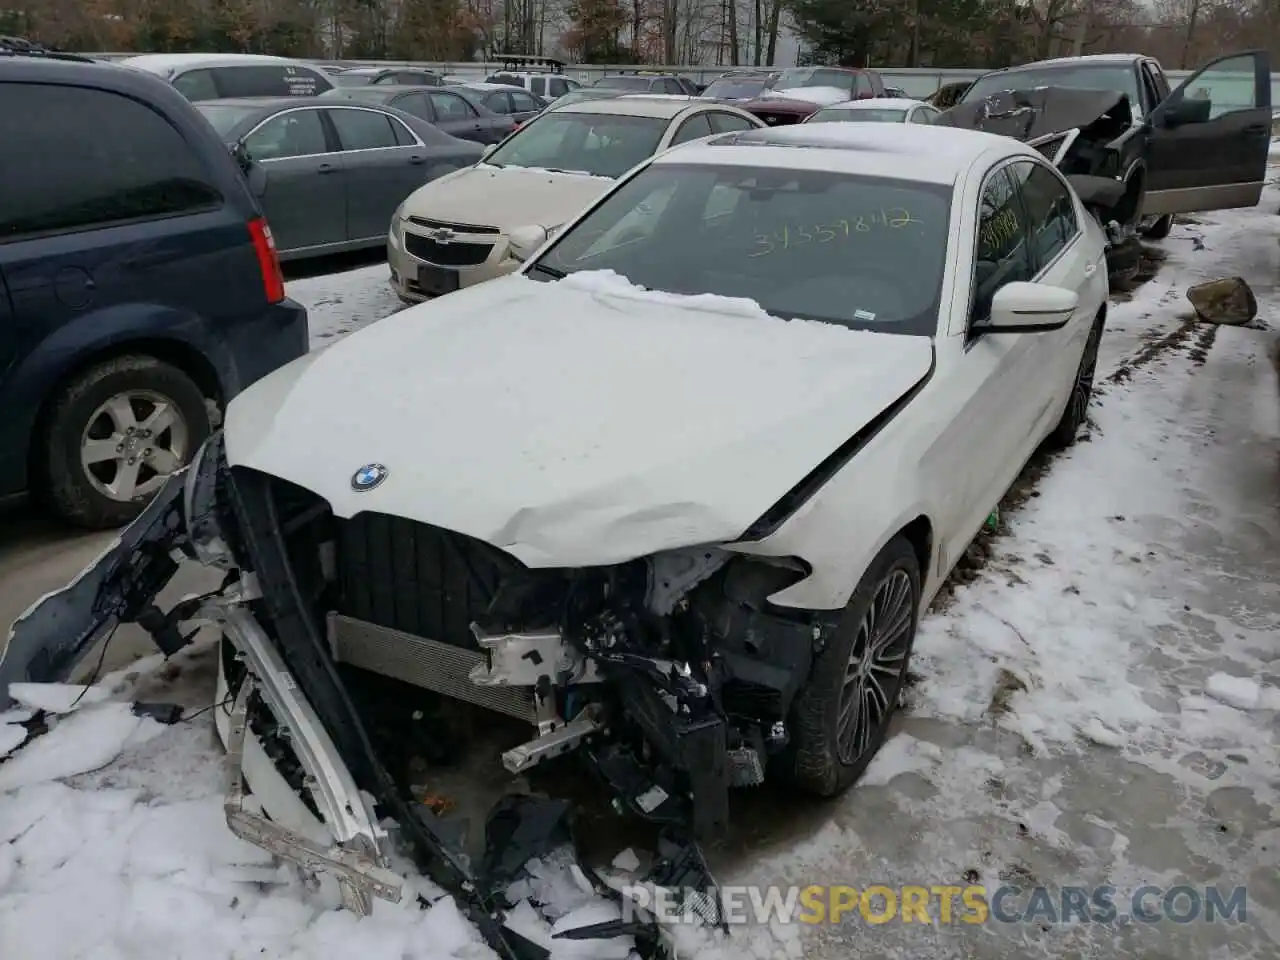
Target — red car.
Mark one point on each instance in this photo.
(859, 84)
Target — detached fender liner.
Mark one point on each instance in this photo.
(304, 649)
(817, 478)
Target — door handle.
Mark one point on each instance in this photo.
(1090, 269)
(1256, 129)
(326, 168)
(416, 160)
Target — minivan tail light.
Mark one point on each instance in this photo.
(264, 245)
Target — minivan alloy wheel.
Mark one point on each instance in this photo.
(132, 443)
(874, 673)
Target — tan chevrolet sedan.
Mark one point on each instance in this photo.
(484, 221)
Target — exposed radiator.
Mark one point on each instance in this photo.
(440, 667)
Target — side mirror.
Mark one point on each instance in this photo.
(1022, 307)
(1185, 110)
(488, 151)
(1227, 302)
(524, 241)
(252, 170)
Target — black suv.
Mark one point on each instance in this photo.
(139, 285)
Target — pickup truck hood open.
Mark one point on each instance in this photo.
(573, 423)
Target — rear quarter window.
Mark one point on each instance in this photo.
(196, 85)
(91, 158)
(270, 80)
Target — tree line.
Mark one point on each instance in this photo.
(941, 33)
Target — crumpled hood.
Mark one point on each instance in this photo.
(1028, 114)
(823, 96)
(506, 197)
(572, 423)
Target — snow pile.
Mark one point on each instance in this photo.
(141, 853)
(1050, 642)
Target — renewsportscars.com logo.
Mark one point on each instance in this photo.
(932, 905)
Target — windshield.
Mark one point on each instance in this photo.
(728, 89)
(864, 252)
(1119, 78)
(622, 83)
(799, 77)
(878, 115)
(225, 118)
(601, 144)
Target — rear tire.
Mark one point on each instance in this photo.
(1160, 228)
(1077, 411)
(858, 676)
(113, 435)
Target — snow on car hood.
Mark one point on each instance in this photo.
(820, 95)
(572, 423)
(506, 197)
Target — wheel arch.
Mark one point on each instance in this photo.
(177, 353)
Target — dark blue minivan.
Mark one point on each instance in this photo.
(139, 285)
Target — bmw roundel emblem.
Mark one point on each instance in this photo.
(368, 477)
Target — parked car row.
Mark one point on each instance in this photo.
(725, 404)
(441, 175)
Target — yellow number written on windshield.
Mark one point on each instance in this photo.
(792, 236)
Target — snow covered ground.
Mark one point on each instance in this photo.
(1099, 705)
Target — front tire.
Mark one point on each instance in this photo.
(115, 433)
(842, 714)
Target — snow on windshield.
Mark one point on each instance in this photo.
(862, 252)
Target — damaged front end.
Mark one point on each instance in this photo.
(671, 676)
(1090, 135)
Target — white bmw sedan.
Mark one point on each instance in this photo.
(675, 494)
(825, 350)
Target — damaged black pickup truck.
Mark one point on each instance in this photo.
(1136, 151)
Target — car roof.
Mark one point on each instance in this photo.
(1096, 59)
(665, 106)
(921, 152)
(164, 62)
(485, 87)
(389, 89)
(269, 104)
(878, 103)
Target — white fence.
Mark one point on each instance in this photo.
(917, 82)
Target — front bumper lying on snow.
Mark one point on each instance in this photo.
(290, 674)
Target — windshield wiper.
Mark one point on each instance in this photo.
(551, 272)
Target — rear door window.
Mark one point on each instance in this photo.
(270, 80)
(91, 158)
(197, 85)
(524, 102)
(538, 85)
(363, 129)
